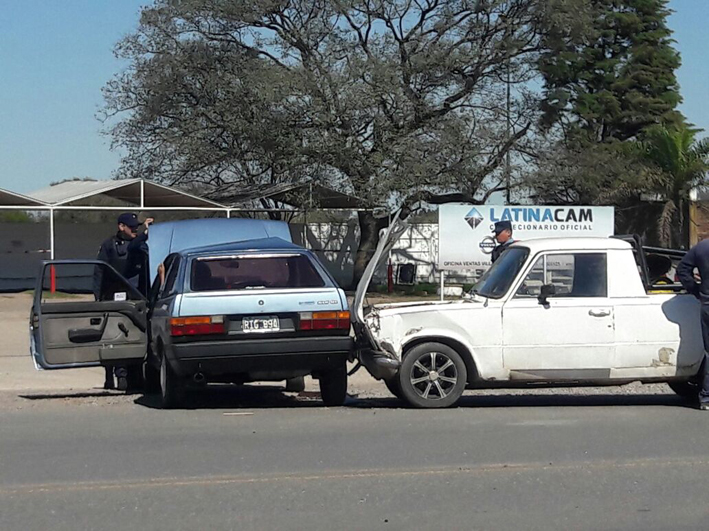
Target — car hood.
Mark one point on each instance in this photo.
(396, 228)
(176, 236)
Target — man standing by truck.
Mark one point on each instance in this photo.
(698, 258)
(503, 236)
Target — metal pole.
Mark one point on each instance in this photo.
(52, 272)
(142, 194)
(51, 234)
(443, 287)
(228, 213)
(508, 169)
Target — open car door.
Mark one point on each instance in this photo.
(85, 314)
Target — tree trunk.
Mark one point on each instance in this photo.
(369, 227)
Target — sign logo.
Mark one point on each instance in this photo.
(487, 244)
(474, 218)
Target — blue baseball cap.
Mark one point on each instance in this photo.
(129, 219)
(502, 225)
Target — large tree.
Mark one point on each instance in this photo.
(394, 101)
(615, 79)
(605, 88)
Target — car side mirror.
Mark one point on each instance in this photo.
(548, 290)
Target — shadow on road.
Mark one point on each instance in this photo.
(239, 396)
(271, 397)
(558, 400)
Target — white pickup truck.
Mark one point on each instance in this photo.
(550, 312)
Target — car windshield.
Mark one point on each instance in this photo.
(498, 279)
(254, 272)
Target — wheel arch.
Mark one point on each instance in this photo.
(455, 344)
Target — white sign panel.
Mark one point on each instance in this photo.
(465, 231)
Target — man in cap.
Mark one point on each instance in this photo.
(697, 258)
(503, 236)
(119, 252)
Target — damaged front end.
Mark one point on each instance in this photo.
(382, 363)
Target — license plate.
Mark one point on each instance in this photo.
(260, 324)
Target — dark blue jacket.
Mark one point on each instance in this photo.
(128, 257)
(497, 251)
(696, 258)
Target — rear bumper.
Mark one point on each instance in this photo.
(230, 357)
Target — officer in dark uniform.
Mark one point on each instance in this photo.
(126, 254)
(698, 258)
(503, 236)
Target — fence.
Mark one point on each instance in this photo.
(24, 245)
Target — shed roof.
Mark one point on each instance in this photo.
(129, 190)
(9, 198)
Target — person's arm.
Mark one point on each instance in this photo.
(136, 244)
(685, 272)
(161, 273)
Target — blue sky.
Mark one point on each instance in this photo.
(56, 56)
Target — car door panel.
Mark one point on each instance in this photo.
(85, 333)
(571, 335)
(567, 334)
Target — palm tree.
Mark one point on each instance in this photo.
(682, 163)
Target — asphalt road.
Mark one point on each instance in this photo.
(257, 459)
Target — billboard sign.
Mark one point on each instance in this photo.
(465, 231)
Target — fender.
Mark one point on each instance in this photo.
(483, 367)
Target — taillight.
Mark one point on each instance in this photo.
(324, 321)
(197, 326)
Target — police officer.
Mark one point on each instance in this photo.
(503, 236)
(125, 256)
(698, 258)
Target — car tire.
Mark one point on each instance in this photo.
(172, 389)
(394, 387)
(295, 385)
(687, 390)
(432, 375)
(151, 377)
(333, 386)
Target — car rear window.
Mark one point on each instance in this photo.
(254, 272)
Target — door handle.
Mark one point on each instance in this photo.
(599, 313)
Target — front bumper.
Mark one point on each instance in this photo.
(381, 365)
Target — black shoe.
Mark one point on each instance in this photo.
(122, 383)
(108, 384)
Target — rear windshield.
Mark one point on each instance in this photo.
(255, 272)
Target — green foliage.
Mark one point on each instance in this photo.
(393, 101)
(659, 169)
(15, 216)
(682, 162)
(617, 76)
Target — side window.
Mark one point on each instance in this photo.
(172, 265)
(573, 275)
